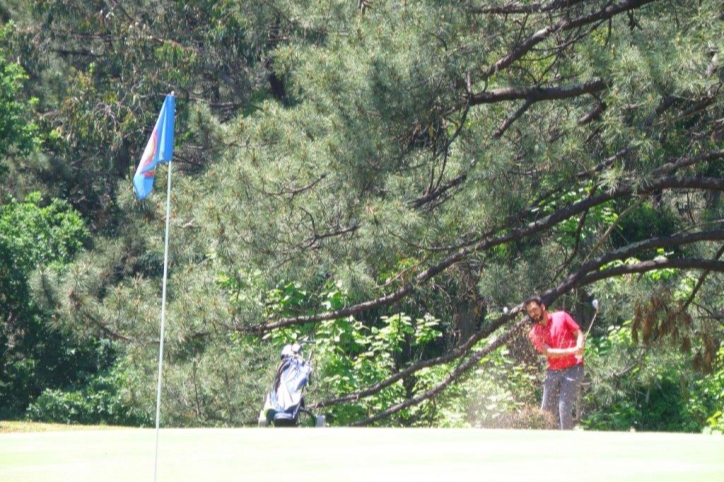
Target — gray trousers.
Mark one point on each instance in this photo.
(560, 389)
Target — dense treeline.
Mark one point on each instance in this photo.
(389, 180)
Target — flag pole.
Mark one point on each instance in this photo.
(159, 149)
(166, 152)
(163, 317)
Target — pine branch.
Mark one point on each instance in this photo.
(512, 8)
(511, 233)
(524, 47)
(537, 94)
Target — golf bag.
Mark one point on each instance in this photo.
(284, 404)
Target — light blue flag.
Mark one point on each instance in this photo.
(158, 149)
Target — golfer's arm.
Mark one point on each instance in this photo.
(558, 352)
(561, 352)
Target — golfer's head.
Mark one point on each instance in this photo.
(535, 308)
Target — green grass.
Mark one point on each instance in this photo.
(349, 454)
(8, 426)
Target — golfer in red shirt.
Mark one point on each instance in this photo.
(557, 336)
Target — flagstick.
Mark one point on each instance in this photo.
(163, 317)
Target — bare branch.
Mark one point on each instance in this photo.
(594, 114)
(645, 266)
(120, 8)
(509, 121)
(331, 234)
(511, 9)
(700, 281)
(294, 191)
(538, 94)
(439, 191)
(671, 167)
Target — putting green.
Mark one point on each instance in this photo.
(356, 454)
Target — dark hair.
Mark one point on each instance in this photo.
(533, 299)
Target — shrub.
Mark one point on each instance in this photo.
(99, 402)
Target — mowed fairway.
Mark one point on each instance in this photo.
(356, 454)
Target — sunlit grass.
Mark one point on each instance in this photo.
(21, 426)
(60, 453)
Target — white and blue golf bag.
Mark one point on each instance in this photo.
(284, 404)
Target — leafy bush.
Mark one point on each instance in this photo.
(502, 393)
(17, 133)
(352, 356)
(35, 355)
(100, 401)
(709, 396)
(652, 388)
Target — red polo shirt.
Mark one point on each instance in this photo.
(558, 333)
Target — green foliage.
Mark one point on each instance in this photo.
(348, 354)
(17, 131)
(645, 222)
(499, 393)
(420, 162)
(40, 357)
(33, 236)
(646, 388)
(351, 356)
(41, 235)
(708, 398)
(35, 354)
(99, 401)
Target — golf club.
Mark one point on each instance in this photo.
(594, 303)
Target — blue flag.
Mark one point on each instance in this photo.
(158, 149)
